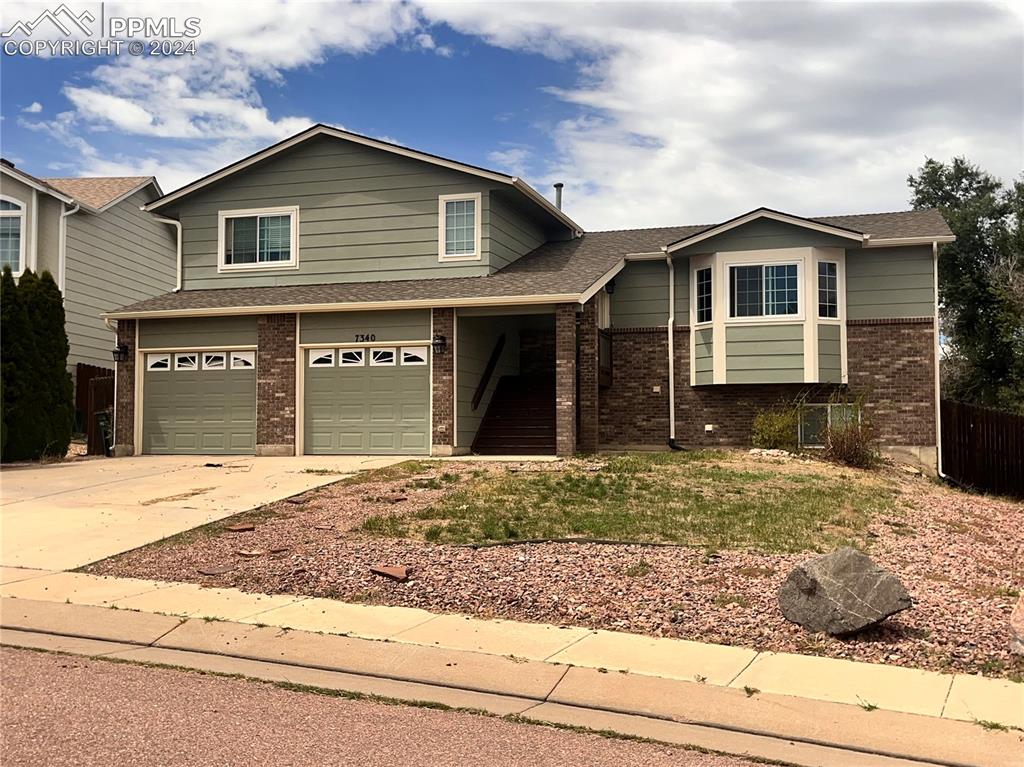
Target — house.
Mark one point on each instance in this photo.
(93, 237)
(340, 294)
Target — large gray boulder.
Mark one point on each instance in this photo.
(841, 593)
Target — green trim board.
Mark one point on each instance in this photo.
(364, 327)
(198, 332)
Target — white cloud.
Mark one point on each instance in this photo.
(34, 108)
(426, 41)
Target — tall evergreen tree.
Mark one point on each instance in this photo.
(978, 273)
(23, 392)
(52, 342)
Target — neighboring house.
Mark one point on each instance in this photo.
(93, 237)
(345, 295)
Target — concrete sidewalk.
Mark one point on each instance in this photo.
(655, 671)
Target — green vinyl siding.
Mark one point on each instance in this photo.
(202, 412)
(640, 299)
(364, 215)
(830, 359)
(771, 353)
(764, 234)
(113, 259)
(512, 233)
(682, 297)
(477, 337)
(890, 283)
(703, 353)
(197, 332)
(344, 327)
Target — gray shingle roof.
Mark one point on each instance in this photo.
(566, 268)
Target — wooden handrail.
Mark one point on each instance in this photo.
(485, 379)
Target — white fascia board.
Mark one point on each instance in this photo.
(770, 214)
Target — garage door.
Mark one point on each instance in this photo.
(199, 402)
(368, 400)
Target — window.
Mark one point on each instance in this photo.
(828, 289)
(158, 362)
(351, 357)
(382, 356)
(459, 227)
(188, 361)
(414, 355)
(816, 420)
(321, 358)
(214, 361)
(243, 360)
(704, 295)
(253, 239)
(764, 290)
(12, 246)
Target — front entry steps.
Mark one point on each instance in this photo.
(520, 419)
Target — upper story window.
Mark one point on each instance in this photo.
(459, 227)
(265, 238)
(12, 244)
(704, 295)
(764, 290)
(828, 289)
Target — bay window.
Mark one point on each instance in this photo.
(828, 289)
(704, 313)
(764, 290)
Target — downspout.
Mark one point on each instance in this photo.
(176, 225)
(938, 374)
(62, 252)
(671, 355)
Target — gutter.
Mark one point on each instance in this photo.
(177, 225)
(938, 374)
(62, 252)
(671, 354)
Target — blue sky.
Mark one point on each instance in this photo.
(652, 114)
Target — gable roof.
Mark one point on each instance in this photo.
(8, 167)
(102, 192)
(326, 130)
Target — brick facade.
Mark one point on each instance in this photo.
(443, 436)
(275, 384)
(124, 403)
(893, 364)
(565, 379)
(588, 390)
(890, 364)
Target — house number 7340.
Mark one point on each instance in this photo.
(364, 338)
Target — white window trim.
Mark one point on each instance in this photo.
(839, 291)
(313, 354)
(224, 215)
(420, 350)
(20, 213)
(442, 200)
(765, 258)
(828, 420)
(151, 358)
(178, 355)
(699, 267)
(346, 364)
(222, 366)
(249, 355)
(394, 357)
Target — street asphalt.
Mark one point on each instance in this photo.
(66, 710)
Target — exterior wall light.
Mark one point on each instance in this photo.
(440, 344)
(120, 353)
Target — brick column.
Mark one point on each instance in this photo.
(565, 379)
(443, 435)
(275, 384)
(124, 403)
(588, 375)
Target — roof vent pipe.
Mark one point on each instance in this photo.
(558, 195)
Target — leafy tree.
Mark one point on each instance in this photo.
(980, 280)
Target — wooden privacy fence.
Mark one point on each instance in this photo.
(99, 409)
(983, 449)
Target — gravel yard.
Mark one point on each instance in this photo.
(961, 556)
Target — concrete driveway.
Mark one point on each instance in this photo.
(62, 516)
